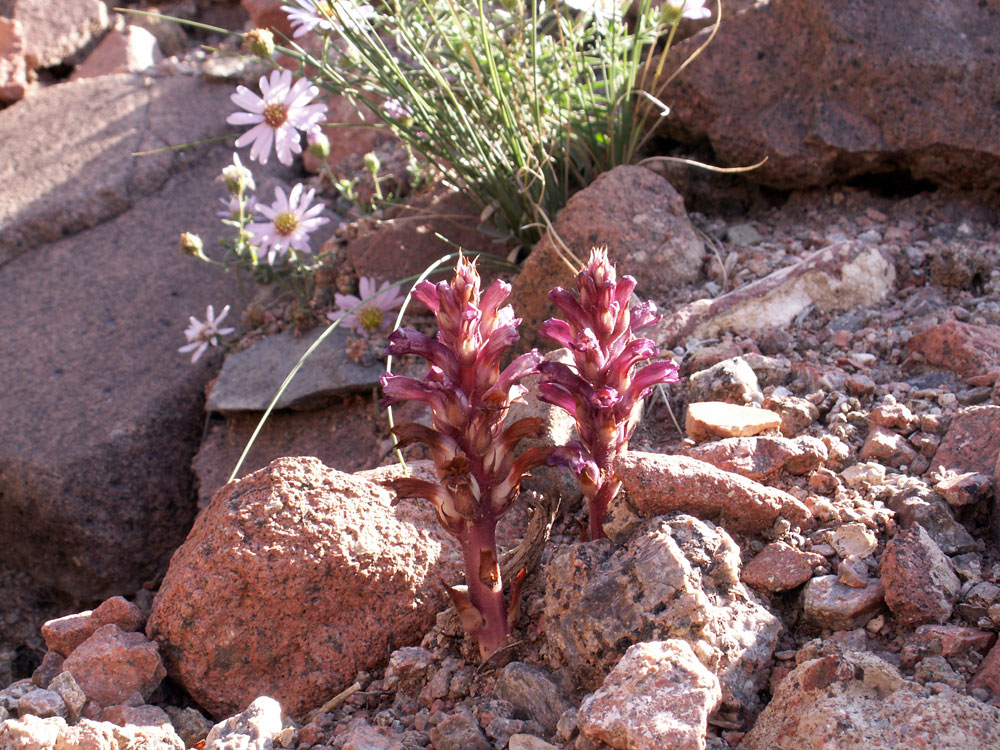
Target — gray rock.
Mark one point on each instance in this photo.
(532, 691)
(676, 577)
(743, 234)
(459, 731)
(250, 378)
(43, 703)
(731, 380)
(11, 694)
(828, 603)
(189, 724)
(932, 512)
(69, 690)
(253, 729)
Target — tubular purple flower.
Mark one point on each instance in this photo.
(478, 475)
(604, 395)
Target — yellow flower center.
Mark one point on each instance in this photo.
(370, 318)
(286, 223)
(275, 114)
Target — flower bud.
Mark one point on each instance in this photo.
(372, 163)
(191, 244)
(259, 42)
(319, 144)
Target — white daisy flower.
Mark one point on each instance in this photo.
(371, 316)
(290, 221)
(201, 335)
(693, 9)
(277, 115)
(307, 15)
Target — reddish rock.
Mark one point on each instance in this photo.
(988, 674)
(856, 88)
(952, 640)
(853, 571)
(121, 612)
(360, 735)
(896, 417)
(859, 384)
(132, 50)
(966, 349)
(920, 584)
(52, 664)
(972, 442)
(706, 420)
(965, 489)
(658, 696)
(112, 665)
(13, 69)
(838, 277)
(49, 38)
(887, 447)
(641, 219)
(64, 634)
(780, 567)
(294, 579)
(659, 484)
(829, 604)
(140, 716)
(268, 14)
(761, 458)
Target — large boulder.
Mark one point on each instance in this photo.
(675, 577)
(831, 89)
(294, 579)
(101, 414)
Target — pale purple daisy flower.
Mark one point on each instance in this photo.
(201, 335)
(277, 115)
(324, 14)
(693, 9)
(375, 303)
(290, 221)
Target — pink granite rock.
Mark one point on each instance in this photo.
(13, 69)
(972, 442)
(762, 458)
(294, 579)
(920, 583)
(887, 447)
(827, 603)
(132, 50)
(707, 420)
(658, 696)
(896, 417)
(64, 634)
(954, 640)
(780, 567)
(140, 716)
(988, 674)
(121, 612)
(112, 665)
(966, 349)
(659, 484)
(965, 489)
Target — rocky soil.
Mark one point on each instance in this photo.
(806, 552)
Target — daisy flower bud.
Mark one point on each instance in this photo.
(259, 42)
(236, 177)
(479, 476)
(603, 391)
(319, 144)
(191, 244)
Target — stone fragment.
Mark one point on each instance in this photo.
(10, 695)
(887, 447)
(762, 458)
(920, 584)
(142, 736)
(459, 731)
(13, 69)
(250, 378)
(935, 516)
(70, 691)
(659, 695)
(838, 277)
(896, 417)
(64, 634)
(780, 567)
(361, 735)
(239, 613)
(827, 603)
(972, 442)
(965, 489)
(731, 380)
(189, 724)
(255, 727)
(408, 669)
(530, 690)
(140, 716)
(966, 349)
(675, 577)
(528, 742)
(853, 539)
(51, 666)
(640, 218)
(44, 703)
(797, 414)
(112, 664)
(50, 38)
(853, 571)
(121, 612)
(849, 117)
(707, 420)
(659, 484)
(131, 50)
(953, 640)
(33, 733)
(988, 674)
(838, 699)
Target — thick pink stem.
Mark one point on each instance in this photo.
(598, 507)
(482, 575)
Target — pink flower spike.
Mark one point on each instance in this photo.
(277, 115)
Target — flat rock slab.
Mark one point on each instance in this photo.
(65, 151)
(706, 420)
(836, 278)
(250, 379)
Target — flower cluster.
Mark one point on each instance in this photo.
(604, 394)
(469, 395)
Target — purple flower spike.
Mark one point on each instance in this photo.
(604, 395)
(479, 477)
